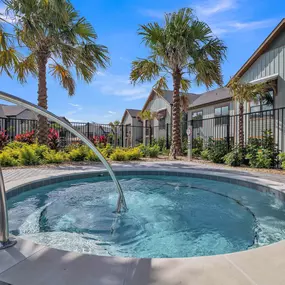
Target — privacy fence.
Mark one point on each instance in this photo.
(226, 128)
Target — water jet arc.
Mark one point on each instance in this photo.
(4, 228)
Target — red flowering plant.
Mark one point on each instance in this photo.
(100, 141)
(3, 139)
(53, 139)
(28, 137)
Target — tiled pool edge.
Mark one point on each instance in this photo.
(260, 266)
(275, 188)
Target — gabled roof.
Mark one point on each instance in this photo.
(261, 49)
(132, 112)
(12, 110)
(168, 96)
(213, 96)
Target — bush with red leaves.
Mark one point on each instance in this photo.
(28, 137)
(3, 139)
(53, 139)
(99, 140)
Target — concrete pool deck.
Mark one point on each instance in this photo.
(31, 264)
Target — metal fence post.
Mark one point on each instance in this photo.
(228, 132)
(167, 136)
(88, 130)
(122, 135)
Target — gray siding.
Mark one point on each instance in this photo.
(209, 128)
(269, 63)
(133, 131)
(158, 103)
(27, 115)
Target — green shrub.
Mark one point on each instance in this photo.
(53, 156)
(185, 145)
(79, 153)
(281, 157)
(91, 156)
(261, 159)
(161, 142)
(133, 154)
(257, 147)
(196, 152)
(205, 154)
(28, 156)
(153, 151)
(119, 155)
(197, 146)
(40, 149)
(7, 160)
(144, 150)
(234, 158)
(217, 150)
(12, 152)
(107, 151)
(15, 145)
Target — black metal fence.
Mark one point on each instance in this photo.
(226, 128)
(249, 125)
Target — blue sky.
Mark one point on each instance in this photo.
(243, 25)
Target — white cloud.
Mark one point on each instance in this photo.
(100, 73)
(119, 85)
(75, 109)
(233, 27)
(74, 105)
(74, 120)
(211, 7)
(253, 25)
(112, 112)
(157, 14)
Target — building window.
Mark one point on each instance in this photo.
(197, 119)
(221, 115)
(263, 105)
(161, 124)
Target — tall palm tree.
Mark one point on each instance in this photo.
(58, 39)
(246, 92)
(183, 46)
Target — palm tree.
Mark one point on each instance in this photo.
(182, 46)
(114, 126)
(246, 92)
(57, 38)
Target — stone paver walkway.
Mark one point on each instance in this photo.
(13, 176)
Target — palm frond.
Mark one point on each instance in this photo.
(151, 33)
(208, 72)
(64, 76)
(90, 57)
(25, 67)
(185, 84)
(160, 85)
(8, 60)
(147, 115)
(246, 92)
(144, 70)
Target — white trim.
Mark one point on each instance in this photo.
(265, 79)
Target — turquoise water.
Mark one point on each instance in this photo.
(167, 217)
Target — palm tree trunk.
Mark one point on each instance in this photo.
(241, 123)
(176, 149)
(42, 99)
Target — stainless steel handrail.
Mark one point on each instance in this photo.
(4, 229)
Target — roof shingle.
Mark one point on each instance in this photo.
(212, 96)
